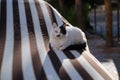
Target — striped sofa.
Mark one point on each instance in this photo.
(24, 46)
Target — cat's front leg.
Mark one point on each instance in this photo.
(62, 47)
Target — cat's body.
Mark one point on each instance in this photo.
(61, 38)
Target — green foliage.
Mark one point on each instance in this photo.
(70, 15)
(55, 4)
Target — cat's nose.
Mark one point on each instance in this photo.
(58, 35)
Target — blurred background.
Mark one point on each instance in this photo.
(94, 16)
(100, 20)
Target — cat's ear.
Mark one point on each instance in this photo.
(65, 24)
(54, 25)
(63, 30)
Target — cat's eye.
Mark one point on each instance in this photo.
(56, 31)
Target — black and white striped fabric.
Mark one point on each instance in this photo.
(24, 46)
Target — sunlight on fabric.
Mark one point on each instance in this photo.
(68, 66)
(58, 17)
(26, 54)
(50, 72)
(95, 75)
(46, 16)
(6, 69)
(110, 66)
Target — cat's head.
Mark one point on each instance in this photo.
(59, 31)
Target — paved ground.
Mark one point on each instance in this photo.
(109, 57)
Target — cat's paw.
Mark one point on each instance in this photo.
(62, 47)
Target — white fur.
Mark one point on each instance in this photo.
(74, 36)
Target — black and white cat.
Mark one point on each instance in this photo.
(62, 37)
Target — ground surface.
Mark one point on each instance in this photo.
(109, 57)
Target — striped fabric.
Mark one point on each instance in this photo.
(24, 46)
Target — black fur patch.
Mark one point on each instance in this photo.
(77, 47)
(63, 30)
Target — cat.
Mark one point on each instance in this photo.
(64, 37)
